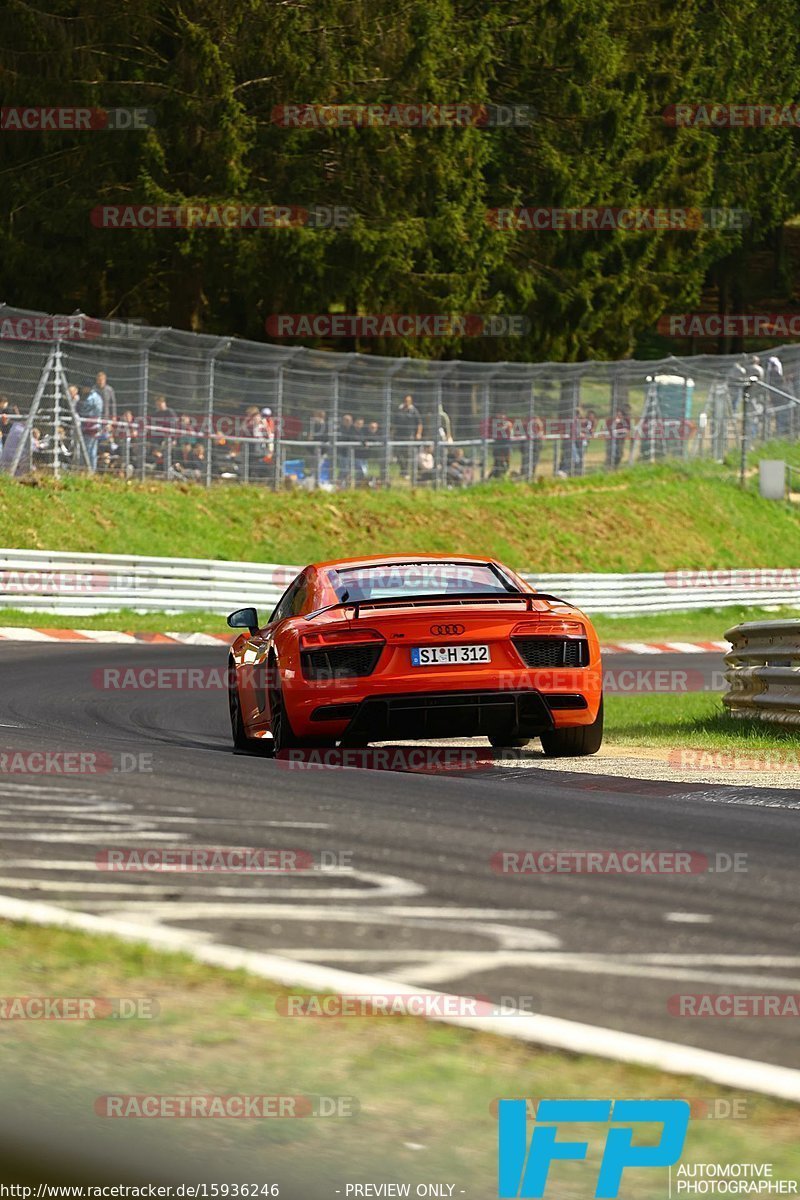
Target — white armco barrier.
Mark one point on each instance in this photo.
(764, 671)
(63, 582)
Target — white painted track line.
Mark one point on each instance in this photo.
(572, 1036)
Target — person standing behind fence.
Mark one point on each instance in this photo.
(6, 423)
(90, 410)
(779, 406)
(108, 394)
(408, 423)
(620, 432)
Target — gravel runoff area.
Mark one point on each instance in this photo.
(776, 768)
(755, 768)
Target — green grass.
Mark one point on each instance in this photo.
(701, 625)
(704, 625)
(688, 721)
(125, 620)
(644, 518)
(424, 1091)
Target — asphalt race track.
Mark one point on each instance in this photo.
(422, 903)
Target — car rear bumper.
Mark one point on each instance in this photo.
(472, 713)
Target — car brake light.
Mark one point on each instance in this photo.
(549, 629)
(333, 637)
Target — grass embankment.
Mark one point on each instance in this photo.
(695, 721)
(424, 1091)
(640, 519)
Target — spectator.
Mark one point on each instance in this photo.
(38, 450)
(197, 463)
(373, 451)
(165, 419)
(536, 433)
(620, 432)
(6, 413)
(737, 377)
(317, 426)
(268, 429)
(163, 428)
(90, 411)
(252, 421)
(573, 447)
(445, 425)
(459, 470)
(107, 444)
(108, 394)
(227, 457)
(408, 423)
(186, 440)
(779, 405)
(501, 447)
(426, 463)
(127, 432)
(56, 444)
(344, 455)
(758, 393)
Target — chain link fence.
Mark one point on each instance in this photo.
(78, 394)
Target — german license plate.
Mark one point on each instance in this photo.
(445, 656)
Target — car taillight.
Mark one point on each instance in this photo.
(340, 654)
(334, 637)
(549, 628)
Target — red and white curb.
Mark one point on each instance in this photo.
(10, 633)
(665, 647)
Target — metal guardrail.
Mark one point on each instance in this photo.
(66, 582)
(764, 671)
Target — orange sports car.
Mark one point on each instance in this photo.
(377, 649)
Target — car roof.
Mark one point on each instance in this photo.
(400, 559)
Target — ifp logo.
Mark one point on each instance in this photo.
(523, 1170)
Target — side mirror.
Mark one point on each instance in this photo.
(244, 618)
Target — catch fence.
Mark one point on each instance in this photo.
(183, 406)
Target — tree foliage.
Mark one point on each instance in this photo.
(598, 73)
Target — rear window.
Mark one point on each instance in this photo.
(386, 580)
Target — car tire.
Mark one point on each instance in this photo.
(242, 744)
(499, 742)
(283, 736)
(577, 741)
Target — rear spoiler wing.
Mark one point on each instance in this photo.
(448, 598)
